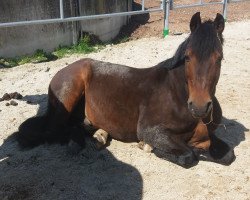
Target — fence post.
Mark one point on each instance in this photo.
(171, 4)
(225, 9)
(166, 9)
(143, 5)
(61, 9)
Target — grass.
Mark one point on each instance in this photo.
(84, 46)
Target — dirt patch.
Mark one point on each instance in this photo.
(152, 24)
(123, 171)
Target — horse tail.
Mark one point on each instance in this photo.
(53, 127)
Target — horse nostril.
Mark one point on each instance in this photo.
(190, 103)
(209, 105)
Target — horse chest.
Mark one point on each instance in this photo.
(169, 116)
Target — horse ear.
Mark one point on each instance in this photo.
(219, 23)
(195, 21)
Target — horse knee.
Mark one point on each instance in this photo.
(101, 138)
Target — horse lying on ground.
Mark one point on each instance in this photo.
(170, 107)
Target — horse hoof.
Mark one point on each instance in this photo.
(187, 160)
(145, 147)
(229, 158)
(101, 138)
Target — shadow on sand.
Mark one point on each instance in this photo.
(56, 172)
(232, 132)
(53, 172)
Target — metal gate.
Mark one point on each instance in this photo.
(170, 5)
(71, 19)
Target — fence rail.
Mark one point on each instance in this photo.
(166, 6)
(80, 18)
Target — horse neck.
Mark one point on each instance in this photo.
(177, 81)
(176, 72)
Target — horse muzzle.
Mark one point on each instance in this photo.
(200, 111)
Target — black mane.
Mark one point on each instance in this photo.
(203, 41)
(178, 59)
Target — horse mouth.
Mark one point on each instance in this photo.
(199, 113)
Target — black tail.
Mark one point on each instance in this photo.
(32, 132)
(56, 126)
(36, 131)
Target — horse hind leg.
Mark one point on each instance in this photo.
(145, 147)
(101, 139)
(77, 130)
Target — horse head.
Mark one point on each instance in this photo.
(203, 57)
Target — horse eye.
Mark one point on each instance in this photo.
(218, 62)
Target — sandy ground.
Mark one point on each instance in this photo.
(123, 171)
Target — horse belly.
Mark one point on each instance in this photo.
(112, 115)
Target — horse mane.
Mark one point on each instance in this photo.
(203, 41)
(178, 59)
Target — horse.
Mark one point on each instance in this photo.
(169, 108)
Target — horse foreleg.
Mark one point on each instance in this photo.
(169, 146)
(218, 149)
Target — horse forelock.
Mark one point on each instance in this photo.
(205, 41)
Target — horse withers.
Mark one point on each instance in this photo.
(170, 107)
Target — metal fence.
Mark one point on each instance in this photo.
(79, 18)
(170, 5)
(234, 1)
(165, 7)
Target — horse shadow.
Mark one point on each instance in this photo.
(231, 132)
(57, 172)
(54, 172)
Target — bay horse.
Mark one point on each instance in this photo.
(170, 107)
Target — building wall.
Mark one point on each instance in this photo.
(25, 40)
(106, 28)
